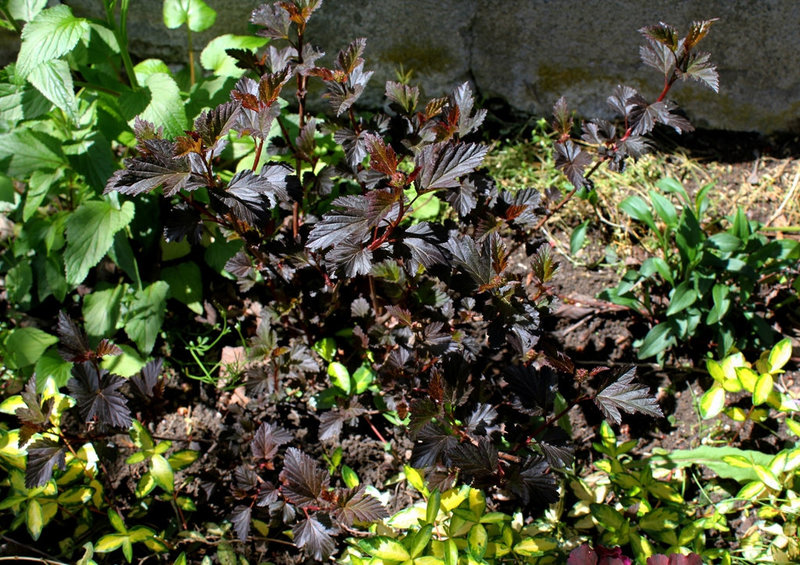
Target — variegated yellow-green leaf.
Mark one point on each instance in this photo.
(109, 542)
(76, 495)
(778, 463)
(712, 402)
(792, 460)
(477, 540)
(534, 546)
(162, 473)
(763, 388)
(116, 521)
(182, 459)
(766, 477)
(747, 377)
(34, 518)
(736, 414)
(385, 548)
(715, 370)
(350, 477)
(454, 497)
(780, 354)
(751, 490)
(794, 426)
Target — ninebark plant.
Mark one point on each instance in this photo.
(404, 242)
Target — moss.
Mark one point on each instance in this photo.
(553, 78)
(423, 57)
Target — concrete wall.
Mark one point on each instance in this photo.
(530, 52)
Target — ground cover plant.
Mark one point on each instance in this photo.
(340, 350)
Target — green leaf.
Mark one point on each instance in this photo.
(725, 242)
(215, 59)
(160, 103)
(195, 13)
(90, 233)
(125, 365)
(19, 281)
(722, 303)
(116, 521)
(432, 509)
(664, 208)
(420, 540)
(52, 366)
(51, 34)
(182, 459)
(121, 253)
(185, 285)
(26, 151)
(578, 237)
(350, 477)
(54, 80)
(102, 311)
(340, 376)
(363, 377)
(34, 518)
(764, 386)
(25, 10)
(325, 348)
(779, 355)
(146, 315)
(162, 473)
(715, 459)
(683, 297)
(638, 209)
(24, 346)
(658, 339)
(712, 402)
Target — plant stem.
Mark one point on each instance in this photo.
(10, 20)
(566, 198)
(191, 55)
(121, 33)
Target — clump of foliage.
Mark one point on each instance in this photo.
(702, 282)
(376, 246)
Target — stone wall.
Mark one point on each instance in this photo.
(530, 52)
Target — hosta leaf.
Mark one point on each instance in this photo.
(303, 481)
(630, 397)
(90, 234)
(313, 537)
(43, 455)
(51, 34)
(98, 396)
(442, 164)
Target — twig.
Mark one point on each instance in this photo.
(29, 548)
